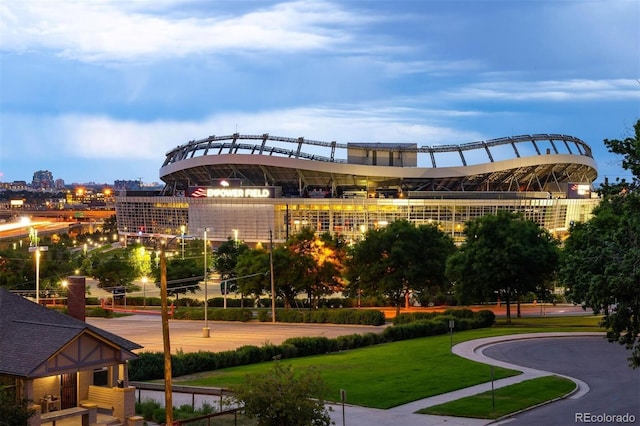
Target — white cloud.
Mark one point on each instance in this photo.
(101, 137)
(120, 31)
(551, 90)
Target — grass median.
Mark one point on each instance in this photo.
(388, 375)
(506, 400)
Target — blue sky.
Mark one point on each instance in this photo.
(97, 90)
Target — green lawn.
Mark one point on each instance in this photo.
(392, 374)
(506, 400)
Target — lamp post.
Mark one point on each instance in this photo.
(35, 248)
(205, 330)
(144, 292)
(182, 230)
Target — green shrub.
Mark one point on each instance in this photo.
(321, 316)
(92, 301)
(406, 318)
(264, 315)
(289, 315)
(188, 302)
(416, 329)
(149, 366)
(287, 350)
(98, 312)
(159, 415)
(486, 318)
(147, 407)
(460, 313)
(325, 316)
(312, 345)
(249, 354)
(355, 341)
(370, 317)
(232, 314)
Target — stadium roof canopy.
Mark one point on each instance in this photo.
(540, 162)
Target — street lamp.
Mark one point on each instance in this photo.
(205, 330)
(144, 292)
(35, 248)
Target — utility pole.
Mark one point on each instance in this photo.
(273, 286)
(168, 392)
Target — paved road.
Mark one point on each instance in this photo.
(614, 388)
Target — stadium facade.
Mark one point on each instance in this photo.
(253, 187)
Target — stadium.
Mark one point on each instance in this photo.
(257, 187)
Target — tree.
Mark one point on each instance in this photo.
(398, 260)
(503, 255)
(14, 412)
(305, 262)
(114, 270)
(110, 225)
(582, 265)
(254, 265)
(629, 148)
(283, 397)
(600, 259)
(601, 270)
(321, 260)
(16, 270)
(183, 275)
(140, 258)
(289, 275)
(225, 260)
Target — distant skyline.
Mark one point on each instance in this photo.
(101, 90)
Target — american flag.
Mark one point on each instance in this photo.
(198, 192)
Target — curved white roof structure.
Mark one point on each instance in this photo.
(540, 162)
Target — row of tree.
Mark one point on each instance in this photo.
(504, 257)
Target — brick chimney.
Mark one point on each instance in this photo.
(76, 302)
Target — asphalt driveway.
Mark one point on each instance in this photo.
(614, 387)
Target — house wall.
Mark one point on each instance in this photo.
(85, 378)
(46, 386)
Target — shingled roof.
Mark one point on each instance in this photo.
(31, 334)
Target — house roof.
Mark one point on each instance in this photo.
(31, 334)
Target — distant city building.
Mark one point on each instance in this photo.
(16, 185)
(263, 186)
(59, 184)
(42, 179)
(127, 185)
